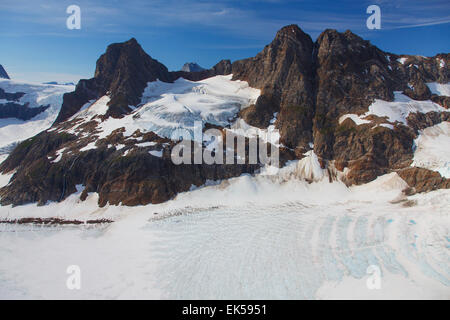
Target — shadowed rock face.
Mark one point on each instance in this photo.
(11, 96)
(309, 85)
(284, 73)
(351, 73)
(3, 73)
(123, 70)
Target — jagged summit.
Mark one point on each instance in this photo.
(3, 73)
(292, 30)
(123, 70)
(284, 72)
(191, 67)
(287, 71)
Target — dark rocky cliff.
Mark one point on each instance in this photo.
(123, 70)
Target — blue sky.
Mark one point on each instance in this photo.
(37, 46)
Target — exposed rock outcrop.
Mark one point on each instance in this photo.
(423, 180)
(350, 74)
(123, 70)
(11, 96)
(22, 112)
(12, 109)
(441, 100)
(284, 72)
(369, 152)
(130, 175)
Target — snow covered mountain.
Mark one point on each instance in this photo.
(364, 179)
(191, 67)
(361, 125)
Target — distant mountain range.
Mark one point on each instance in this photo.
(26, 109)
(60, 83)
(354, 109)
(191, 67)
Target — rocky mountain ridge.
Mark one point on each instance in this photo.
(326, 95)
(13, 109)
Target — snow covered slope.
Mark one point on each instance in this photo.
(395, 111)
(168, 106)
(247, 238)
(433, 149)
(441, 89)
(13, 130)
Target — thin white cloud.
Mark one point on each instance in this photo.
(226, 16)
(433, 23)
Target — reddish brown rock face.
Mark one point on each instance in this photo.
(284, 72)
(423, 180)
(309, 85)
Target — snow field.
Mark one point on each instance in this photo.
(14, 130)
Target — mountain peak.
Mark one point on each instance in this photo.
(123, 70)
(132, 41)
(330, 35)
(115, 52)
(291, 30)
(316, 94)
(3, 73)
